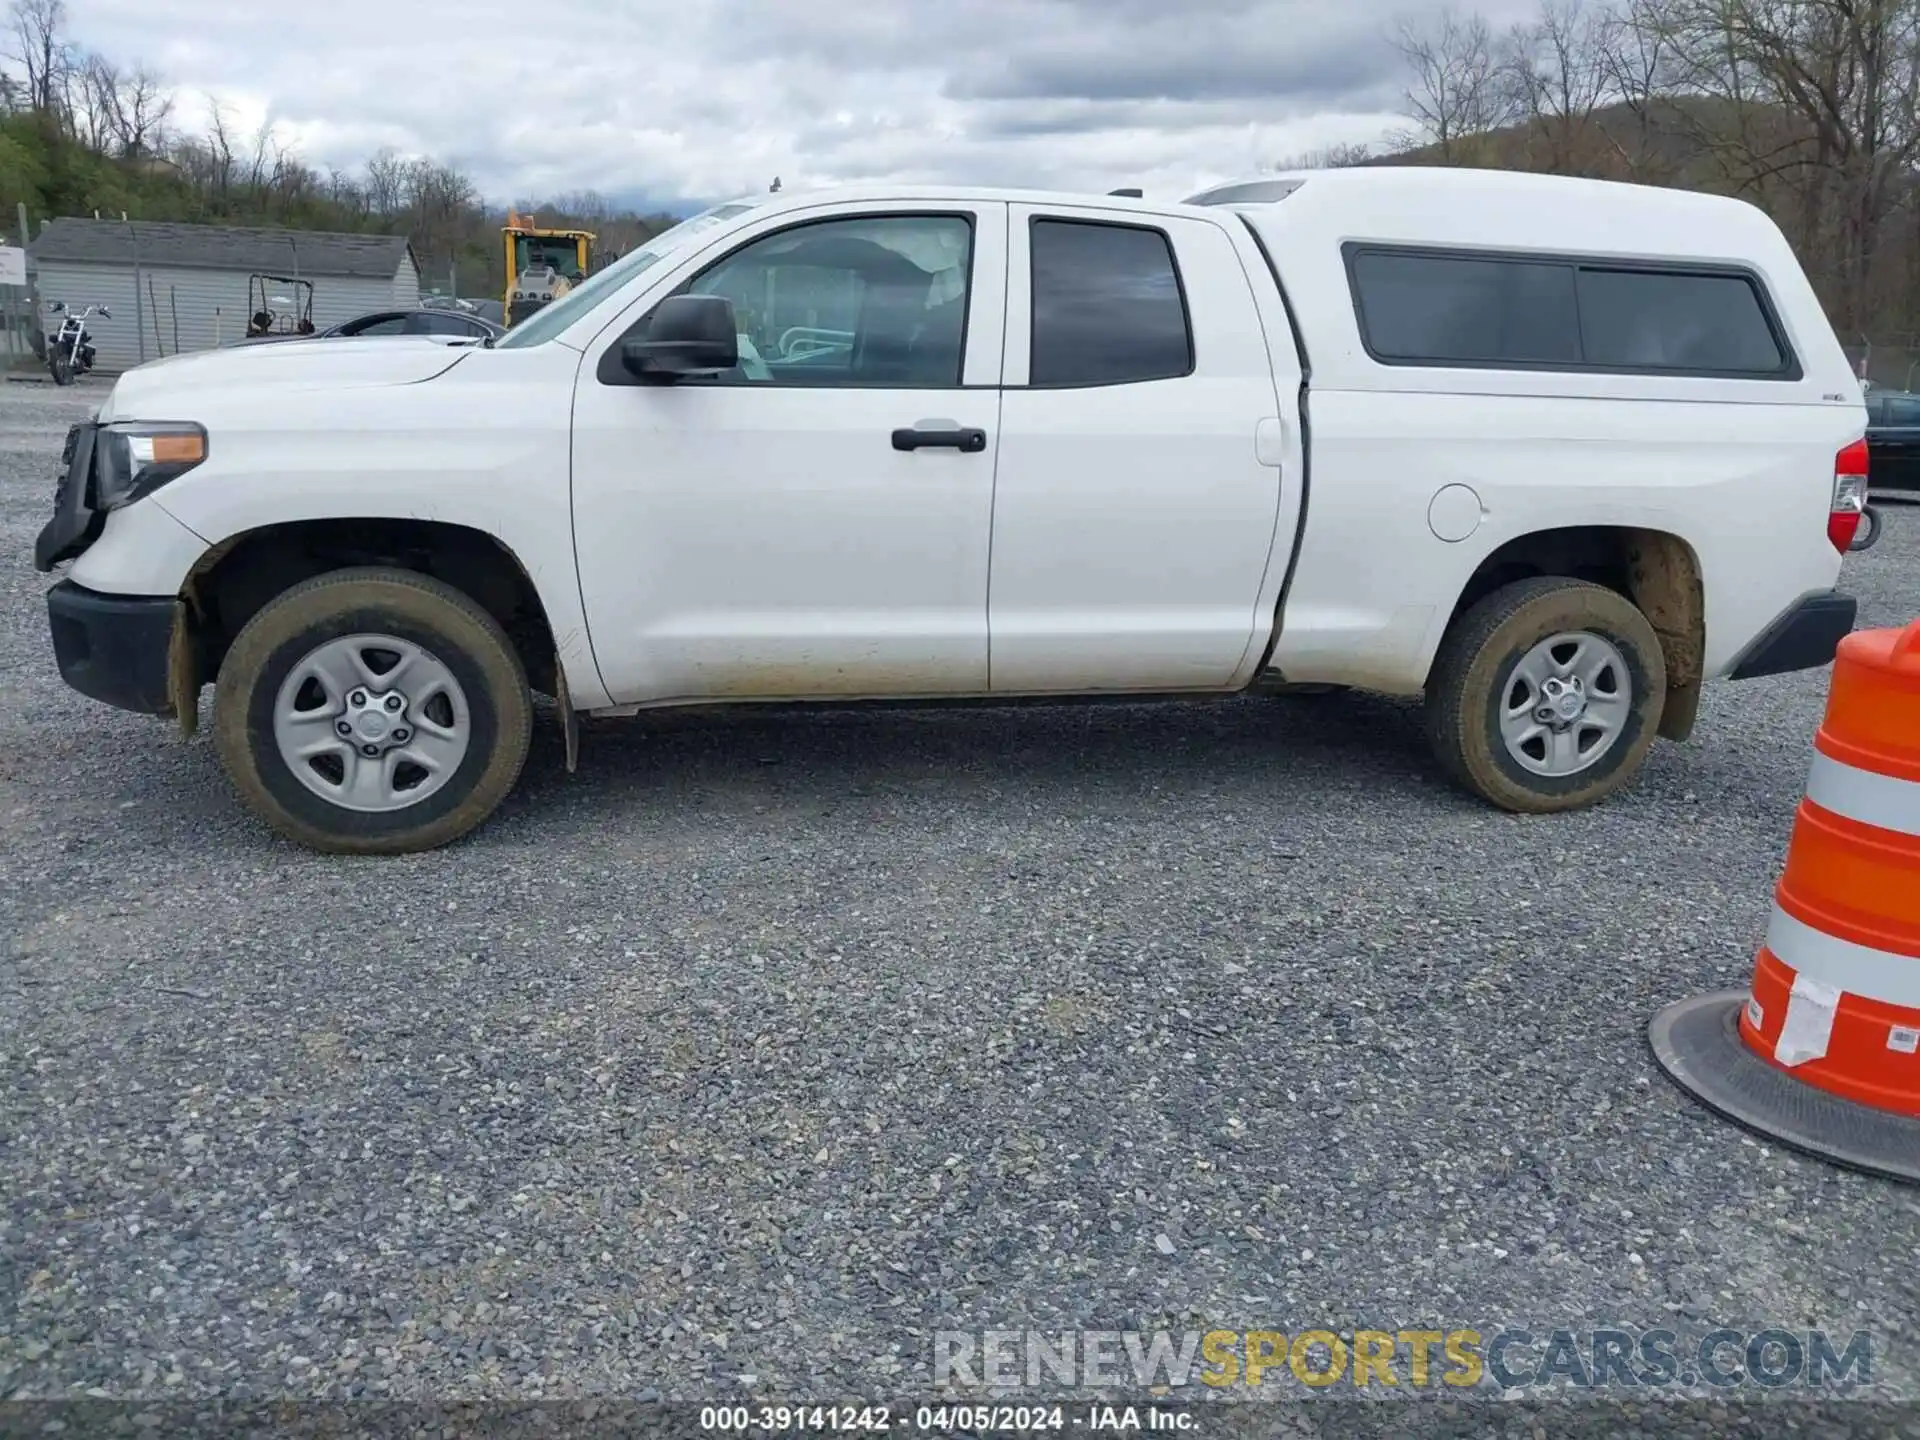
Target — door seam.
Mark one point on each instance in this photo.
(999, 422)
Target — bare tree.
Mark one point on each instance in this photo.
(91, 94)
(219, 144)
(1556, 72)
(583, 207)
(1456, 94)
(1641, 67)
(386, 183)
(38, 43)
(1818, 102)
(266, 155)
(347, 193)
(142, 105)
(1338, 156)
(439, 201)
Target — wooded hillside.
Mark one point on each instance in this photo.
(80, 132)
(1808, 108)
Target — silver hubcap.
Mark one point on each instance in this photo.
(1566, 704)
(372, 722)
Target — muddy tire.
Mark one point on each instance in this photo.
(1546, 695)
(372, 712)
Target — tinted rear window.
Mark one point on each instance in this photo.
(1427, 309)
(1107, 306)
(1643, 320)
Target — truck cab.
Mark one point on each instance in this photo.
(542, 264)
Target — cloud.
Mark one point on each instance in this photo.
(701, 99)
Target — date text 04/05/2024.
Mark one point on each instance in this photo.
(939, 1419)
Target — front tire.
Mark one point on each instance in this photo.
(372, 711)
(1546, 695)
(61, 368)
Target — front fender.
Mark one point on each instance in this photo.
(485, 446)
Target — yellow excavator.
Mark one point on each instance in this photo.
(542, 264)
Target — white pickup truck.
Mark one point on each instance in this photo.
(1550, 452)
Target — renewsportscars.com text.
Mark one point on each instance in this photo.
(1510, 1357)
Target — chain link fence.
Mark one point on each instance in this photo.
(21, 343)
(1893, 364)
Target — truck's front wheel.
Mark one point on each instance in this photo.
(372, 711)
(1546, 695)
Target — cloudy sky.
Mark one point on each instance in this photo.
(701, 99)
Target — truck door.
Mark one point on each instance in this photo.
(1148, 482)
(814, 523)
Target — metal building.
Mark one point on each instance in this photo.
(174, 288)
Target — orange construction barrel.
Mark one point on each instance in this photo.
(1822, 1053)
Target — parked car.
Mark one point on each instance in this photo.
(1893, 439)
(1464, 434)
(436, 323)
(423, 320)
(486, 309)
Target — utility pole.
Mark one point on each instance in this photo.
(139, 305)
(29, 296)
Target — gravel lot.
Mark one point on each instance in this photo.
(766, 1046)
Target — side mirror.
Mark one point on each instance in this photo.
(58, 307)
(106, 313)
(690, 335)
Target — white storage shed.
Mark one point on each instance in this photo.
(175, 288)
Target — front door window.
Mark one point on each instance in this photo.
(878, 301)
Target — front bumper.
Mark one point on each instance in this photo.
(1802, 637)
(114, 648)
(75, 523)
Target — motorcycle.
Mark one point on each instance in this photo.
(70, 348)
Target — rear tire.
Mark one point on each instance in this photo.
(1510, 662)
(313, 666)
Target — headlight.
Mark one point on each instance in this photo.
(134, 459)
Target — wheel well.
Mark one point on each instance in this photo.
(1658, 571)
(235, 579)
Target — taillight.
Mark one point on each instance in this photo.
(1849, 495)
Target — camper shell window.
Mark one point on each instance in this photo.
(1475, 309)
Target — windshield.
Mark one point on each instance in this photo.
(549, 322)
(530, 252)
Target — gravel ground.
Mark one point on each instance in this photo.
(766, 1046)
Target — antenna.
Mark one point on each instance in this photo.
(1131, 194)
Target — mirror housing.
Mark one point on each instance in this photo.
(690, 335)
(106, 313)
(58, 307)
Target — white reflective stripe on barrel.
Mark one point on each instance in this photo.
(1878, 800)
(1856, 969)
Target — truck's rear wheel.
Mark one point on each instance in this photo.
(372, 712)
(1546, 695)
